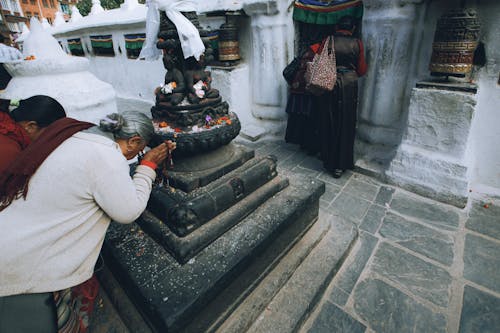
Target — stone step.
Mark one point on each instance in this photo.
(287, 311)
(246, 313)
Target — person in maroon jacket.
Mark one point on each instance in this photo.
(338, 109)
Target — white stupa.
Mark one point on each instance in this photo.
(45, 23)
(75, 14)
(129, 5)
(54, 73)
(59, 19)
(96, 7)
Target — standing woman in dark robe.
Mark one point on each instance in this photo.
(337, 109)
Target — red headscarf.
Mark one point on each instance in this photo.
(14, 181)
(11, 129)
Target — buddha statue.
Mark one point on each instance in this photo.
(198, 81)
(173, 89)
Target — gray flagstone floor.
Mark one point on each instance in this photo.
(418, 265)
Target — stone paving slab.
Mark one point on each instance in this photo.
(349, 207)
(373, 219)
(384, 195)
(388, 310)
(421, 239)
(480, 312)
(361, 189)
(414, 274)
(338, 296)
(332, 319)
(484, 218)
(438, 215)
(482, 262)
(331, 192)
(349, 276)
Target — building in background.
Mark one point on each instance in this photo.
(66, 7)
(40, 9)
(12, 18)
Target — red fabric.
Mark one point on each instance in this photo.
(14, 181)
(150, 164)
(315, 47)
(13, 139)
(362, 67)
(85, 293)
(9, 149)
(11, 129)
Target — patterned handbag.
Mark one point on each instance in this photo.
(321, 72)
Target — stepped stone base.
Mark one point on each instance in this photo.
(431, 159)
(169, 295)
(430, 175)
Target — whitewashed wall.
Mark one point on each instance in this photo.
(485, 135)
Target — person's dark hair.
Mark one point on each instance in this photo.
(2, 38)
(43, 110)
(346, 23)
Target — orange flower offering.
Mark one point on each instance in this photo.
(174, 84)
(177, 130)
(31, 57)
(163, 124)
(228, 121)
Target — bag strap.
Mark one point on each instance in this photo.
(330, 44)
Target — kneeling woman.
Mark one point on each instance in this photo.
(56, 202)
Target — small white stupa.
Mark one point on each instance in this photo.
(54, 73)
(96, 7)
(129, 5)
(45, 23)
(75, 15)
(59, 20)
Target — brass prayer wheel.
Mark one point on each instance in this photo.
(455, 40)
(229, 48)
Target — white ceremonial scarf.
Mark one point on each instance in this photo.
(189, 36)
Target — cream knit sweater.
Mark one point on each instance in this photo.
(51, 240)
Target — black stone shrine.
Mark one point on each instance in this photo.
(220, 225)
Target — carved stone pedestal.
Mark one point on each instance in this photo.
(228, 221)
(432, 159)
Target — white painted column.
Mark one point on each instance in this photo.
(391, 34)
(270, 43)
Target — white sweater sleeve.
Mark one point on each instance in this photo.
(122, 198)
